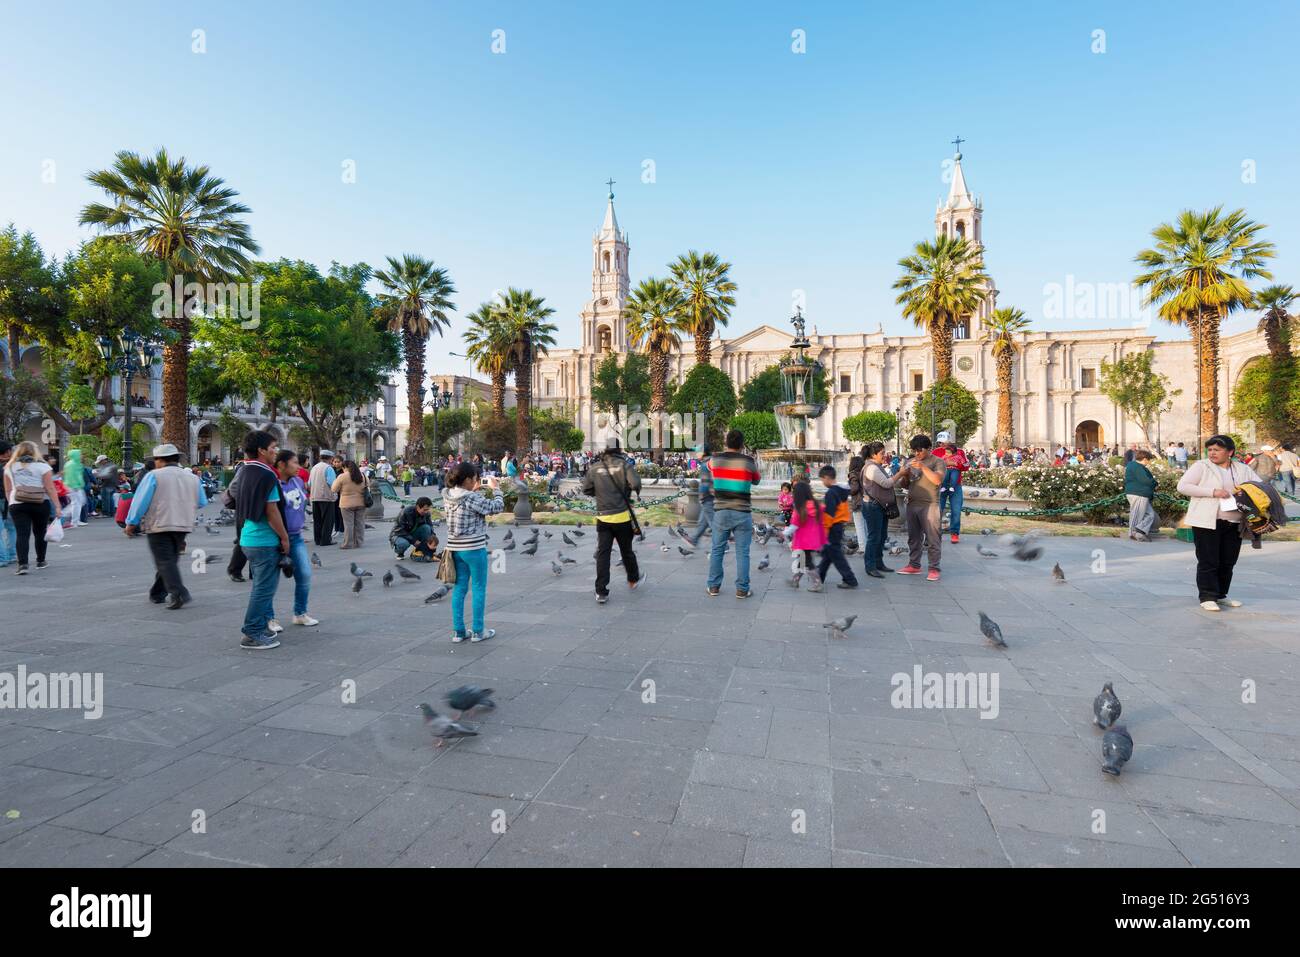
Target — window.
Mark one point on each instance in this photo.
(550, 387)
(961, 229)
(918, 381)
(605, 262)
(1087, 378)
(846, 382)
(961, 330)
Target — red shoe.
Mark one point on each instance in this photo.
(954, 538)
(933, 576)
(908, 570)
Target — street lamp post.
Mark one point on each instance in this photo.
(129, 353)
(368, 422)
(437, 402)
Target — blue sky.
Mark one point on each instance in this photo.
(811, 171)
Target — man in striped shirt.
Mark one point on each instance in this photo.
(734, 474)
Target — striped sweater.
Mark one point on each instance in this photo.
(467, 514)
(734, 473)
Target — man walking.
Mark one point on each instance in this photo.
(705, 478)
(1288, 464)
(1265, 464)
(734, 474)
(1180, 455)
(262, 536)
(1140, 487)
(324, 502)
(921, 476)
(164, 508)
(612, 480)
(835, 518)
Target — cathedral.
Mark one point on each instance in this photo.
(1056, 397)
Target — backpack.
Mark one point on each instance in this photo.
(1262, 507)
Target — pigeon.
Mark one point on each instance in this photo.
(508, 547)
(530, 550)
(839, 626)
(579, 525)
(686, 552)
(371, 527)
(359, 572)
(664, 547)
(387, 579)
(468, 698)
(438, 594)
(556, 568)
(1116, 749)
(547, 534)
(509, 536)
(356, 585)
(986, 552)
(1023, 547)
(567, 539)
(407, 575)
(986, 531)
(210, 530)
(211, 558)
(764, 563)
(443, 728)
(1106, 707)
(1058, 574)
(578, 533)
(315, 560)
(565, 559)
(991, 631)
(896, 550)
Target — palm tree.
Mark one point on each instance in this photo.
(704, 282)
(1002, 327)
(1197, 272)
(415, 300)
(1276, 321)
(525, 316)
(489, 340)
(943, 282)
(656, 319)
(188, 220)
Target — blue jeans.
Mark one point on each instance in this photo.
(951, 497)
(8, 541)
(471, 573)
(1286, 482)
(420, 534)
(301, 574)
(873, 555)
(726, 521)
(705, 522)
(263, 567)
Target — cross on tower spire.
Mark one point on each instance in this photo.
(610, 184)
(957, 142)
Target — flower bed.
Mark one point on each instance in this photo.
(1067, 486)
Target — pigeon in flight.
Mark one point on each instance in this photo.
(356, 585)
(443, 728)
(438, 594)
(1106, 707)
(991, 631)
(556, 568)
(387, 579)
(839, 626)
(315, 560)
(468, 698)
(567, 539)
(359, 572)
(406, 575)
(764, 563)
(986, 552)
(1058, 574)
(530, 550)
(1023, 547)
(1116, 749)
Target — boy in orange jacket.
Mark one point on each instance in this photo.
(835, 516)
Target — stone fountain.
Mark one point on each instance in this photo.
(797, 409)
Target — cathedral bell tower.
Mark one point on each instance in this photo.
(603, 326)
(962, 214)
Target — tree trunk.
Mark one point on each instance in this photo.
(658, 399)
(14, 347)
(1006, 431)
(523, 405)
(176, 382)
(499, 394)
(1209, 358)
(413, 347)
(703, 351)
(1277, 337)
(941, 340)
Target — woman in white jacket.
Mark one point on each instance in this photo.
(1215, 519)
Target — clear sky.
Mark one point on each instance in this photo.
(812, 171)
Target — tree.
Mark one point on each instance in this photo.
(79, 403)
(655, 322)
(525, 314)
(955, 409)
(618, 385)
(1140, 392)
(451, 423)
(232, 430)
(1267, 400)
(943, 282)
(110, 438)
(870, 426)
(759, 428)
(707, 390)
(189, 221)
(488, 340)
(1197, 272)
(18, 395)
(28, 298)
(704, 282)
(1276, 321)
(765, 389)
(1003, 326)
(415, 300)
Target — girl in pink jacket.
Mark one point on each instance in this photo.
(809, 533)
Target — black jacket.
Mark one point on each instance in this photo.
(254, 488)
(407, 521)
(607, 479)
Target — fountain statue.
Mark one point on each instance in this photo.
(797, 409)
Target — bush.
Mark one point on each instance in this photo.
(998, 477)
(1066, 486)
(870, 427)
(956, 408)
(759, 428)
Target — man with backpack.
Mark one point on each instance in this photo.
(611, 479)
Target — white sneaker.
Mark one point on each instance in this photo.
(307, 621)
(1230, 602)
(274, 627)
(1210, 606)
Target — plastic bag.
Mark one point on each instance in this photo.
(54, 531)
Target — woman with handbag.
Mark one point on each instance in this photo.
(878, 506)
(464, 559)
(29, 490)
(350, 486)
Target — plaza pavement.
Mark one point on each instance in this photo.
(760, 719)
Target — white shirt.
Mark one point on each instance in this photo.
(31, 474)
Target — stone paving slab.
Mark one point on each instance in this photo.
(665, 729)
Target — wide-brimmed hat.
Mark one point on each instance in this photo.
(165, 451)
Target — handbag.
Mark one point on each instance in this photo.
(446, 568)
(367, 497)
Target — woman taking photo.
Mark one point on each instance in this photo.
(350, 487)
(466, 510)
(29, 490)
(877, 496)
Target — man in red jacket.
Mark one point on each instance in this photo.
(951, 496)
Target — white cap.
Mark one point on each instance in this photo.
(1266, 448)
(943, 437)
